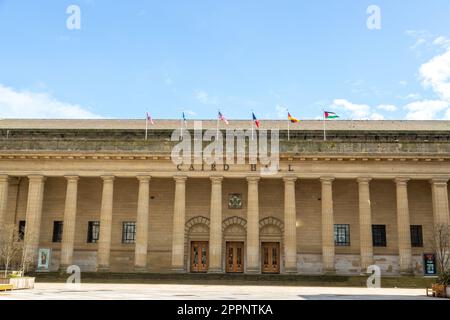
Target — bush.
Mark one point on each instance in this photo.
(444, 278)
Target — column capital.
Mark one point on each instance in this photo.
(401, 180)
(253, 179)
(439, 181)
(143, 178)
(326, 179)
(180, 178)
(289, 178)
(108, 178)
(216, 179)
(37, 177)
(72, 178)
(4, 178)
(363, 179)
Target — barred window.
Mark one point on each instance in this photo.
(379, 235)
(93, 231)
(129, 232)
(57, 231)
(342, 234)
(416, 236)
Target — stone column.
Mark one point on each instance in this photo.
(106, 212)
(253, 245)
(440, 201)
(70, 215)
(403, 226)
(327, 225)
(215, 231)
(33, 217)
(141, 246)
(179, 220)
(4, 187)
(365, 223)
(290, 226)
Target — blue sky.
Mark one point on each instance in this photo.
(200, 55)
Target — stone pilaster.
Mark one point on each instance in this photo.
(106, 212)
(327, 225)
(440, 201)
(365, 223)
(4, 187)
(253, 245)
(215, 231)
(70, 215)
(141, 246)
(179, 220)
(290, 226)
(403, 226)
(33, 217)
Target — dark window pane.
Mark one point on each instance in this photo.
(416, 236)
(93, 231)
(129, 232)
(379, 235)
(342, 234)
(22, 229)
(57, 231)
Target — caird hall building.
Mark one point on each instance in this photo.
(96, 194)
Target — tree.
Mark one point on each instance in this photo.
(11, 247)
(441, 248)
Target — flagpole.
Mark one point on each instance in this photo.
(217, 133)
(252, 129)
(288, 129)
(146, 127)
(324, 126)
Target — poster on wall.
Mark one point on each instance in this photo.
(429, 263)
(44, 256)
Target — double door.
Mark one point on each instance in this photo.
(199, 256)
(235, 257)
(270, 257)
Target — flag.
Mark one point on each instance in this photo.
(292, 119)
(330, 115)
(184, 120)
(222, 118)
(150, 119)
(257, 122)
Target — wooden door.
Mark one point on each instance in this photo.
(270, 256)
(199, 256)
(235, 257)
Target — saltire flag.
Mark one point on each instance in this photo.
(222, 118)
(292, 119)
(330, 115)
(150, 119)
(255, 120)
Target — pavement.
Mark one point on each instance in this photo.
(103, 291)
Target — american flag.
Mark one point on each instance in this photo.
(222, 118)
(149, 118)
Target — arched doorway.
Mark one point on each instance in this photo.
(197, 242)
(234, 230)
(271, 235)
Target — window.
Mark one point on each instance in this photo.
(22, 230)
(93, 231)
(342, 234)
(379, 235)
(416, 236)
(57, 231)
(129, 232)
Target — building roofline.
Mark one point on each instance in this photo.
(171, 124)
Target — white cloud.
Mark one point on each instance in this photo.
(425, 109)
(442, 42)
(357, 111)
(436, 73)
(281, 111)
(387, 107)
(26, 104)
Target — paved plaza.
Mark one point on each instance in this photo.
(91, 291)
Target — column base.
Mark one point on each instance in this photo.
(215, 270)
(253, 271)
(63, 268)
(140, 269)
(330, 272)
(178, 270)
(290, 271)
(103, 269)
(406, 273)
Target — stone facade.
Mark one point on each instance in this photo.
(358, 177)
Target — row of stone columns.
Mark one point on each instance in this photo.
(35, 200)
